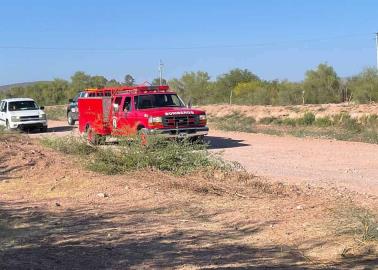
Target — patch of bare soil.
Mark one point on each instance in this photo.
(55, 215)
(293, 111)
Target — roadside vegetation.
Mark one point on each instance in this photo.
(360, 222)
(176, 157)
(174, 185)
(340, 126)
(56, 112)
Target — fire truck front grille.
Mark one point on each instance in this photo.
(180, 121)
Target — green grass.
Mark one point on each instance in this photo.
(176, 157)
(69, 145)
(357, 221)
(56, 112)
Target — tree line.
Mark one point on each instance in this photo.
(238, 86)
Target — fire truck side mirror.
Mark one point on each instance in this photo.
(115, 107)
(189, 103)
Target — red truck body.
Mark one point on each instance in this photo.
(126, 111)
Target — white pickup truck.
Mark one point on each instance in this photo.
(22, 113)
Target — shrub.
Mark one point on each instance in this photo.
(370, 120)
(307, 120)
(323, 121)
(177, 157)
(344, 120)
(289, 122)
(358, 221)
(267, 120)
(69, 145)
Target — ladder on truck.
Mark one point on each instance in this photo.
(112, 91)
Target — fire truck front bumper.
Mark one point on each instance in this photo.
(179, 132)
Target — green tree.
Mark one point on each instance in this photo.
(129, 80)
(254, 92)
(322, 85)
(79, 82)
(228, 81)
(156, 81)
(290, 93)
(364, 87)
(98, 81)
(113, 83)
(193, 85)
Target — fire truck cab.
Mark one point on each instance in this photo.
(125, 111)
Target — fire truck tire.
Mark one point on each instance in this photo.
(92, 137)
(70, 120)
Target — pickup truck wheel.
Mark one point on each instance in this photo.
(70, 120)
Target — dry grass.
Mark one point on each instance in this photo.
(234, 216)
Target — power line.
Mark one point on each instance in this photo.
(224, 46)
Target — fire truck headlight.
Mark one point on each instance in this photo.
(202, 117)
(155, 120)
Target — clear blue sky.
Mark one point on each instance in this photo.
(276, 39)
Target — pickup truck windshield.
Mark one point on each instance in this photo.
(157, 101)
(22, 105)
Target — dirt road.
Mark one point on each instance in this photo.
(326, 163)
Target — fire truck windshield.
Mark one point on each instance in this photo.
(157, 101)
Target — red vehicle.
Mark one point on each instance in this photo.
(125, 111)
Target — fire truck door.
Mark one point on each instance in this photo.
(125, 117)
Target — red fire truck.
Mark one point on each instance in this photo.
(125, 111)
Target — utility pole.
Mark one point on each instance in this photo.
(376, 44)
(161, 72)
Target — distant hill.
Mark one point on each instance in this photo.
(24, 84)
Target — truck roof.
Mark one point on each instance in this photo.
(17, 99)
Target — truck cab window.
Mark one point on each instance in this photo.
(127, 104)
(118, 101)
(158, 101)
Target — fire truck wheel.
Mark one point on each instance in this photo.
(92, 137)
(70, 120)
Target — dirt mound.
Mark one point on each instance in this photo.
(258, 112)
(19, 157)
